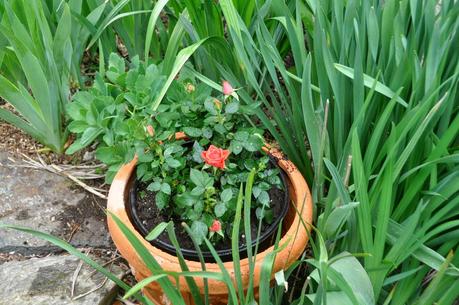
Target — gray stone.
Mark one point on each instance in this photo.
(48, 281)
(50, 203)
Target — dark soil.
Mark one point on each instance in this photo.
(75, 218)
(151, 216)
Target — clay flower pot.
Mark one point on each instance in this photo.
(296, 236)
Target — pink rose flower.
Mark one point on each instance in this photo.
(215, 156)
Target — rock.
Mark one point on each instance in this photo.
(48, 281)
(50, 203)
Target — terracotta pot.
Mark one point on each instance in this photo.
(296, 236)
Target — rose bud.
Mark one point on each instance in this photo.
(190, 88)
(227, 88)
(216, 226)
(217, 103)
(150, 130)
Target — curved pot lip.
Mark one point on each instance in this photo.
(296, 237)
(192, 254)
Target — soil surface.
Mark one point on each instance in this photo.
(15, 140)
(17, 143)
(151, 216)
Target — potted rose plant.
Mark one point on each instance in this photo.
(190, 157)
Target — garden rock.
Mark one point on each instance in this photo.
(48, 281)
(50, 203)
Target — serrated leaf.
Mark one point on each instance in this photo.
(197, 150)
(249, 164)
(192, 132)
(264, 186)
(199, 230)
(154, 187)
(209, 105)
(232, 107)
(263, 198)
(226, 195)
(220, 209)
(197, 191)
(254, 143)
(196, 177)
(173, 162)
(241, 136)
(207, 132)
(256, 191)
(220, 129)
(166, 188)
(161, 200)
(236, 147)
(185, 200)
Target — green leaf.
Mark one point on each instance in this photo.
(198, 191)
(197, 150)
(241, 136)
(161, 200)
(199, 230)
(173, 162)
(192, 132)
(263, 198)
(209, 105)
(356, 277)
(154, 186)
(373, 29)
(180, 61)
(116, 64)
(220, 129)
(75, 110)
(157, 231)
(232, 107)
(196, 177)
(89, 135)
(110, 155)
(226, 195)
(254, 143)
(185, 200)
(369, 82)
(236, 147)
(207, 132)
(76, 146)
(338, 217)
(151, 25)
(220, 209)
(166, 188)
(200, 178)
(77, 126)
(256, 191)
